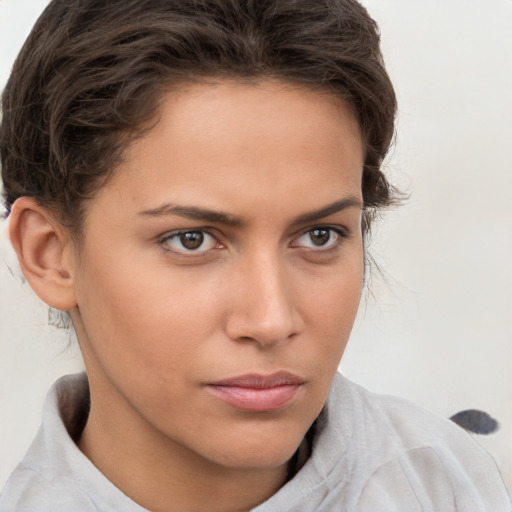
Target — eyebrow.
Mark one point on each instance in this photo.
(195, 213)
(330, 209)
(219, 217)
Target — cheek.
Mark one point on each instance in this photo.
(145, 313)
(329, 310)
(337, 294)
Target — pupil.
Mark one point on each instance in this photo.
(191, 239)
(320, 236)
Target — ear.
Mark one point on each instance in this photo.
(44, 251)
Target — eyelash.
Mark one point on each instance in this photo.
(164, 242)
(340, 236)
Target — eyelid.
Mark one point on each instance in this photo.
(339, 231)
(162, 242)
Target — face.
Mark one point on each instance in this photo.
(221, 270)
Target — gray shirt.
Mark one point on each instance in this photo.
(371, 453)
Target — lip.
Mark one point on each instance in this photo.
(258, 393)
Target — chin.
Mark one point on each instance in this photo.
(258, 460)
(259, 452)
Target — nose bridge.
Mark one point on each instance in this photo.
(265, 310)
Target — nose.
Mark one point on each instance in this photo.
(264, 308)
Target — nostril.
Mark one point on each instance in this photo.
(475, 421)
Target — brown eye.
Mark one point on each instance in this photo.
(320, 237)
(189, 241)
(192, 239)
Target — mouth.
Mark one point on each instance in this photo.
(257, 393)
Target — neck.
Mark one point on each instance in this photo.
(164, 476)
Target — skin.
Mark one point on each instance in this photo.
(263, 293)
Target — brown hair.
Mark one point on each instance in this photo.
(91, 73)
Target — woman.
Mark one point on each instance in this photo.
(192, 182)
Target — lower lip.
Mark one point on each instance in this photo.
(256, 399)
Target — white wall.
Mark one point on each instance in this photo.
(440, 332)
(442, 335)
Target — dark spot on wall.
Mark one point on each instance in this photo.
(475, 421)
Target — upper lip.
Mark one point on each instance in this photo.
(254, 380)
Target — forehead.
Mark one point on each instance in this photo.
(252, 109)
(233, 142)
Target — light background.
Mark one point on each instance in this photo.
(440, 331)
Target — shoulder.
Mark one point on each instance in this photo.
(390, 419)
(412, 457)
(28, 491)
(44, 480)
(55, 475)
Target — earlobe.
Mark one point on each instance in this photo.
(43, 248)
